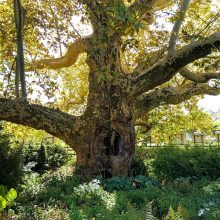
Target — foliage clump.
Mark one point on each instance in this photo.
(7, 198)
(43, 157)
(10, 161)
(95, 200)
(174, 162)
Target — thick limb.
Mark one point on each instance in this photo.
(164, 70)
(185, 72)
(198, 78)
(171, 95)
(55, 122)
(177, 25)
(71, 56)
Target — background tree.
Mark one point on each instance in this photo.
(10, 160)
(164, 123)
(130, 70)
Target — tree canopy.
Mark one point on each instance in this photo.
(51, 26)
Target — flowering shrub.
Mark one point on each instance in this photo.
(93, 194)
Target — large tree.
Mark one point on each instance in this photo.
(119, 94)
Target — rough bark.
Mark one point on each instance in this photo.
(165, 69)
(171, 95)
(110, 145)
(55, 122)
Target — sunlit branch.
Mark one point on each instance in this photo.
(171, 95)
(71, 56)
(177, 25)
(199, 78)
(164, 70)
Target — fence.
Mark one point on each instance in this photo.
(195, 138)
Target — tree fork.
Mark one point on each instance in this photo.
(109, 149)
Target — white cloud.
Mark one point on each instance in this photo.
(210, 103)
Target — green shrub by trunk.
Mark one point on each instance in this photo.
(45, 157)
(174, 162)
(10, 161)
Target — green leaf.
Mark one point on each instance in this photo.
(2, 203)
(171, 214)
(2, 190)
(11, 195)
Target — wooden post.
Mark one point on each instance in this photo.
(217, 133)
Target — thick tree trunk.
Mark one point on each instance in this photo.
(109, 151)
(108, 145)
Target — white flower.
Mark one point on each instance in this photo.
(201, 212)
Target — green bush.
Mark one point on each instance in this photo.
(174, 162)
(43, 157)
(7, 197)
(61, 194)
(119, 183)
(138, 167)
(43, 195)
(128, 183)
(57, 156)
(10, 161)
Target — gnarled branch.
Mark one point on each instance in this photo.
(71, 56)
(55, 122)
(146, 8)
(198, 78)
(171, 95)
(164, 70)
